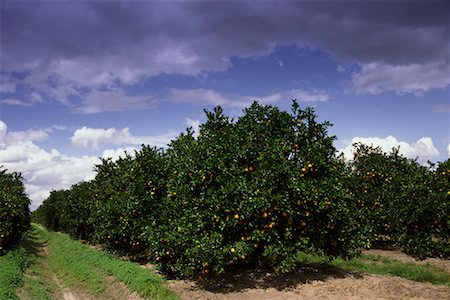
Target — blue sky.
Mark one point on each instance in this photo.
(87, 79)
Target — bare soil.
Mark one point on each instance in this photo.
(315, 282)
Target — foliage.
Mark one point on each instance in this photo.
(50, 212)
(404, 202)
(14, 213)
(128, 196)
(11, 266)
(256, 190)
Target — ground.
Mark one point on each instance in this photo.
(309, 282)
(40, 269)
(318, 283)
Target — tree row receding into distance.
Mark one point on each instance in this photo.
(14, 211)
(255, 190)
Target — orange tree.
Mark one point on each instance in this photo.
(401, 201)
(14, 213)
(258, 189)
(427, 232)
(50, 212)
(76, 210)
(127, 196)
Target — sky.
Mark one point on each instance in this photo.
(82, 80)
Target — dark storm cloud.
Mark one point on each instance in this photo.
(395, 32)
(99, 43)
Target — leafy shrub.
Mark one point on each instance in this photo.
(402, 201)
(258, 189)
(14, 213)
(51, 211)
(77, 210)
(127, 195)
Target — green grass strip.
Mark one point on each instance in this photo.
(12, 265)
(88, 267)
(384, 266)
(34, 283)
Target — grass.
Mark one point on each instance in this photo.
(48, 261)
(34, 284)
(382, 265)
(80, 266)
(12, 265)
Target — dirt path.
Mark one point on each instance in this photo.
(56, 289)
(312, 283)
(309, 282)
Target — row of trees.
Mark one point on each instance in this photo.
(14, 211)
(255, 190)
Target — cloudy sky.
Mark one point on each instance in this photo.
(87, 79)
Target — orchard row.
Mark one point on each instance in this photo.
(255, 190)
(14, 211)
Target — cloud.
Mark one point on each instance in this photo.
(442, 108)
(423, 149)
(211, 97)
(195, 124)
(340, 69)
(308, 96)
(417, 79)
(92, 138)
(96, 102)
(42, 170)
(448, 150)
(13, 101)
(83, 48)
(115, 154)
(7, 87)
(46, 170)
(7, 138)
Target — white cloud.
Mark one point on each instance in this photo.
(3, 130)
(19, 136)
(308, 96)
(7, 87)
(423, 149)
(448, 150)
(211, 97)
(96, 102)
(46, 170)
(115, 154)
(36, 97)
(198, 96)
(93, 137)
(13, 101)
(375, 78)
(195, 124)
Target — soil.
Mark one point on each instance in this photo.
(308, 282)
(315, 282)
